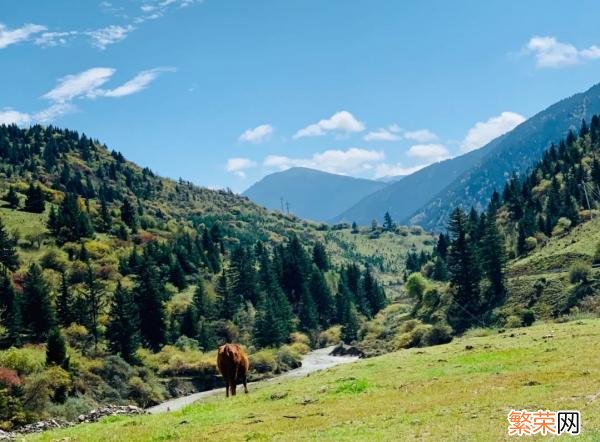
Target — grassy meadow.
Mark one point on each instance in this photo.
(458, 391)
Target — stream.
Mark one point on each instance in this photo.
(311, 362)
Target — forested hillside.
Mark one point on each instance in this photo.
(111, 276)
(524, 257)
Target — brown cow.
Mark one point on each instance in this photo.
(233, 364)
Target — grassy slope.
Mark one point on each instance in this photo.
(552, 263)
(437, 393)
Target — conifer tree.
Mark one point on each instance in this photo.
(351, 325)
(38, 313)
(122, 331)
(148, 297)
(10, 308)
(94, 300)
(464, 275)
(8, 252)
(64, 302)
(320, 257)
(374, 294)
(242, 274)
(128, 215)
(323, 297)
(230, 301)
(493, 258)
(307, 312)
(34, 201)
(189, 322)
(204, 305)
(388, 222)
(56, 349)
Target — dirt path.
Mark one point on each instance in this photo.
(313, 361)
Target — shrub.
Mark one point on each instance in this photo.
(184, 343)
(287, 359)
(143, 392)
(299, 338)
(514, 321)
(24, 361)
(436, 335)
(579, 272)
(11, 411)
(527, 317)
(331, 336)
(562, 226)
(414, 337)
(9, 378)
(264, 361)
(597, 254)
(530, 243)
(415, 286)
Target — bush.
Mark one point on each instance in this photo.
(24, 361)
(264, 361)
(528, 317)
(514, 321)
(9, 378)
(415, 286)
(436, 335)
(414, 337)
(530, 243)
(597, 254)
(184, 343)
(331, 336)
(579, 272)
(299, 338)
(287, 359)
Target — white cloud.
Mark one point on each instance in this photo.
(239, 165)
(12, 36)
(11, 116)
(383, 134)
(257, 134)
(342, 121)
(52, 39)
(84, 84)
(138, 83)
(352, 160)
(389, 170)
(421, 136)
(551, 53)
(101, 38)
(431, 152)
(485, 131)
(53, 112)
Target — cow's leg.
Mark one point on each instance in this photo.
(245, 380)
(226, 388)
(234, 383)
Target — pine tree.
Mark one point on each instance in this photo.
(94, 300)
(38, 313)
(122, 331)
(34, 201)
(10, 308)
(105, 218)
(12, 198)
(320, 257)
(56, 349)
(388, 222)
(493, 258)
(307, 312)
(464, 275)
(71, 223)
(323, 297)
(351, 325)
(242, 274)
(8, 252)
(64, 302)
(189, 322)
(148, 298)
(295, 270)
(128, 215)
(230, 301)
(374, 294)
(204, 305)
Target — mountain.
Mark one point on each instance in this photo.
(428, 196)
(515, 152)
(311, 194)
(402, 198)
(390, 178)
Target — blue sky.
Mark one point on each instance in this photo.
(222, 92)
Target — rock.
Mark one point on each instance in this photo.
(278, 395)
(469, 347)
(347, 350)
(110, 410)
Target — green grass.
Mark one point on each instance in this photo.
(447, 392)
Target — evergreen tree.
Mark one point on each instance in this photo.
(351, 325)
(320, 257)
(493, 258)
(295, 270)
(230, 301)
(388, 222)
(128, 215)
(34, 201)
(8, 252)
(148, 297)
(64, 302)
(56, 349)
(105, 218)
(323, 297)
(189, 322)
(122, 331)
(464, 275)
(374, 294)
(10, 308)
(71, 223)
(94, 301)
(204, 305)
(38, 313)
(242, 274)
(12, 198)
(307, 312)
